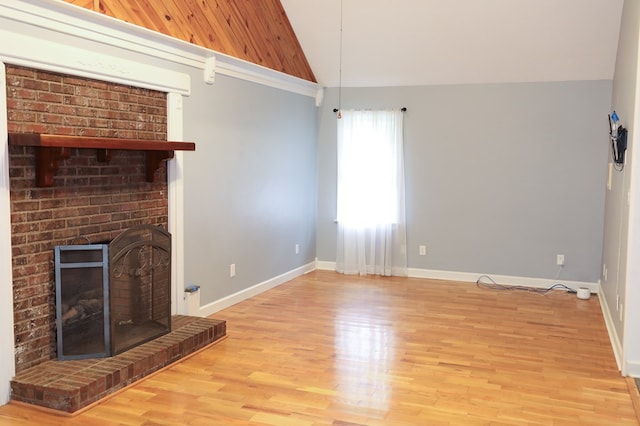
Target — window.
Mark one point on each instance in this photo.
(370, 169)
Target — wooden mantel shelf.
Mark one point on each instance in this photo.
(50, 149)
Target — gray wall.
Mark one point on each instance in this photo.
(500, 178)
(616, 255)
(250, 186)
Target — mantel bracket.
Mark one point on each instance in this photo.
(103, 155)
(153, 160)
(47, 163)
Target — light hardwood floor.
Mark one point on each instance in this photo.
(328, 349)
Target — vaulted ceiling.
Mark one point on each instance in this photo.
(422, 42)
(404, 42)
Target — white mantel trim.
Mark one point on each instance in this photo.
(69, 19)
(7, 343)
(66, 18)
(49, 55)
(21, 47)
(175, 129)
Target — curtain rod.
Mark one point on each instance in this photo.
(403, 109)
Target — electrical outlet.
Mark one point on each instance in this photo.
(604, 271)
(232, 270)
(423, 250)
(297, 248)
(560, 260)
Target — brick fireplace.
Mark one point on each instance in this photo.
(62, 38)
(89, 200)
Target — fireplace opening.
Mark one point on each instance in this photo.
(114, 296)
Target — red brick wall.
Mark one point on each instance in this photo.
(89, 199)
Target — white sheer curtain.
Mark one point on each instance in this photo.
(371, 211)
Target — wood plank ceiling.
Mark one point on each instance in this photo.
(256, 31)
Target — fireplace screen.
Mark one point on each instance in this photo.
(113, 297)
(82, 277)
(140, 286)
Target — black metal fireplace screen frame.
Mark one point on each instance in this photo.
(113, 297)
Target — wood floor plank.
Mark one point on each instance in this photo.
(328, 349)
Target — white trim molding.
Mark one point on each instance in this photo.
(508, 280)
(238, 68)
(37, 44)
(252, 291)
(324, 265)
(82, 24)
(472, 277)
(616, 343)
(7, 342)
(175, 130)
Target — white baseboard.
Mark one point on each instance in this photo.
(323, 265)
(473, 277)
(616, 343)
(632, 369)
(247, 293)
(501, 279)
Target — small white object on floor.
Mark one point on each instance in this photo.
(583, 293)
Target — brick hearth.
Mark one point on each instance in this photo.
(72, 385)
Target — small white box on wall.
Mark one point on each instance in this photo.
(192, 300)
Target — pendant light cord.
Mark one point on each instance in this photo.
(340, 66)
